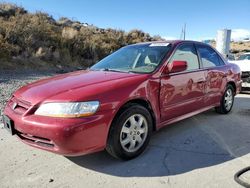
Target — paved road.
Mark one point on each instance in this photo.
(203, 151)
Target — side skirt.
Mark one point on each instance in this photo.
(179, 118)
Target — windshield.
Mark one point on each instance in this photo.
(244, 57)
(138, 58)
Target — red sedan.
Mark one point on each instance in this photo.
(118, 102)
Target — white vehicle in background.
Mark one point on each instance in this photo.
(244, 63)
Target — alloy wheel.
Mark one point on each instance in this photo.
(134, 133)
(228, 100)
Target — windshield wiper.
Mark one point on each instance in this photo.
(112, 70)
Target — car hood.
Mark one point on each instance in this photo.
(43, 89)
(243, 64)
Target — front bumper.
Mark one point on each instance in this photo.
(66, 136)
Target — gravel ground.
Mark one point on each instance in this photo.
(203, 151)
(11, 81)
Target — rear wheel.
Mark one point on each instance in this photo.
(130, 132)
(227, 101)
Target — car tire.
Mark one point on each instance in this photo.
(130, 132)
(227, 101)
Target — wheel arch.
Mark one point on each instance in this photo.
(232, 83)
(140, 101)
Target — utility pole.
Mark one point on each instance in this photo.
(184, 32)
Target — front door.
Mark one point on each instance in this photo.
(182, 92)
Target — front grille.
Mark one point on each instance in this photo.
(245, 74)
(44, 142)
(19, 106)
(245, 77)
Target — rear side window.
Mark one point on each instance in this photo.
(221, 61)
(209, 57)
(187, 52)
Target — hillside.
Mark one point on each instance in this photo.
(237, 48)
(38, 41)
(240, 47)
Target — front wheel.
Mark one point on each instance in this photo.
(130, 132)
(227, 101)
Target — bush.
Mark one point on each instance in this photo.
(69, 43)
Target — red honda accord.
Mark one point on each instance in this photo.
(118, 102)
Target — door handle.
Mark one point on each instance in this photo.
(201, 81)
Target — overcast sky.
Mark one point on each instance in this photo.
(159, 17)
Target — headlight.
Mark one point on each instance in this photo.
(68, 110)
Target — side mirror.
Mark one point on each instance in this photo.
(177, 66)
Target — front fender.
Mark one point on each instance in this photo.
(145, 89)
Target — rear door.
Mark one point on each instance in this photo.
(182, 92)
(214, 68)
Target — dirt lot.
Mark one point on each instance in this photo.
(203, 151)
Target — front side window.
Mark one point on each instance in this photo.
(143, 58)
(209, 57)
(187, 52)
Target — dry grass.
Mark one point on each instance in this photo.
(237, 48)
(27, 39)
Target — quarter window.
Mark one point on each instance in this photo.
(209, 57)
(187, 52)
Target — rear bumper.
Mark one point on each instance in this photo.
(245, 86)
(70, 137)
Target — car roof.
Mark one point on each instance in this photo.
(173, 42)
(176, 42)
